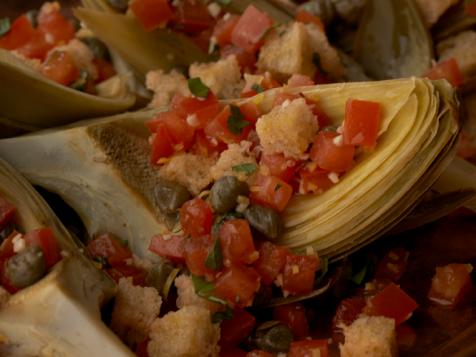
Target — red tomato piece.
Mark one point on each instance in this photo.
(162, 144)
(300, 80)
(272, 192)
(202, 110)
(391, 302)
(181, 133)
(250, 29)
(237, 329)
(196, 217)
(299, 273)
(251, 111)
(237, 242)
(237, 285)
(270, 262)
(314, 181)
(322, 117)
(245, 59)
(329, 156)
(171, 248)
(205, 146)
(232, 352)
(56, 28)
(224, 28)
(406, 337)
(393, 264)
(362, 123)
(196, 250)
(192, 16)
(37, 47)
(107, 246)
(45, 239)
(7, 212)
(259, 353)
(347, 312)
(448, 70)
(451, 284)
(218, 128)
(60, 67)
(127, 271)
(307, 18)
(105, 69)
(470, 7)
(309, 348)
(151, 14)
(21, 32)
(294, 316)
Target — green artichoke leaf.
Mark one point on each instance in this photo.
(392, 41)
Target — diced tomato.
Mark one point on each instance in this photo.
(391, 302)
(151, 14)
(196, 250)
(406, 337)
(206, 147)
(448, 70)
(224, 28)
(300, 80)
(232, 352)
(192, 16)
(271, 261)
(181, 133)
(307, 18)
(329, 156)
(347, 312)
(218, 128)
(237, 329)
(251, 111)
(171, 248)
(259, 353)
(322, 117)
(282, 97)
(37, 47)
(203, 110)
(245, 59)
(45, 239)
(162, 144)
(56, 28)
(7, 212)
(309, 348)
(279, 166)
(196, 217)
(299, 273)
(294, 316)
(272, 192)
(451, 284)
(21, 32)
(127, 271)
(237, 242)
(105, 69)
(393, 264)
(362, 123)
(250, 29)
(237, 285)
(314, 181)
(60, 67)
(470, 7)
(107, 246)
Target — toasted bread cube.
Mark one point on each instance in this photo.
(165, 86)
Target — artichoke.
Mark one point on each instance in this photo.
(32, 321)
(47, 103)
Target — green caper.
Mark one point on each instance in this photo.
(170, 196)
(119, 5)
(97, 47)
(264, 220)
(225, 192)
(273, 336)
(26, 268)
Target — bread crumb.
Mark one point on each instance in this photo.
(188, 297)
(236, 154)
(165, 86)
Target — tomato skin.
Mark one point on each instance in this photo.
(237, 285)
(329, 156)
(151, 14)
(224, 28)
(451, 284)
(218, 128)
(162, 144)
(294, 316)
(170, 248)
(180, 132)
(251, 111)
(305, 348)
(301, 280)
(393, 264)
(54, 25)
(127, 271)
(391, 302)
(248, 32)
(347, 312)
(271, 191)
(237, 329)
(237, 242)
(60, 67)
(20, 33)
(196, 217)
(7, 212)
(45, 239)
(448, 70)
(196, 250)
(314, 181)
(362, 123)
(307, 18)
(106, 245)
(192, 17)
(300, 80)
(270, 262)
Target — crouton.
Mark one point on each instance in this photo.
(287, 129)
(4, 296)
(192, 171)
(222, 77)
(370, 336)
(463, 48)
(188, 297)
(287, 51)
(431, 10)
(187, 332)
(135, 309)
(165, 86)
(236, 154)
(82, 56)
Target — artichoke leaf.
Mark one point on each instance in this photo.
(30, 100)
(392, 41)
(454, 21)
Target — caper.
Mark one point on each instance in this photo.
(273, 337)
(26, 268)
(264, 220)
(119, 5)
(97, 47)
(170, 196)
(225, 192)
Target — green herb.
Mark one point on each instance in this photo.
(246, 168)
(277, 187)
(32, 16)
(316, 59)
(205, 289)
(258, 88)
(215, 258)
(236, 122)
(4, 26)
(360, 276)
(197, 87)
(324, 270)
(220, 316)
(80, 83)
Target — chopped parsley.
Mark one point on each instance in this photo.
(258, 88)
(248, 168)
(236, 122)
(215, 258)
(205, 289)
(82, 81)
(197, 87)
(5, 26)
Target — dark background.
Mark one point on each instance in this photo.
(12, 8)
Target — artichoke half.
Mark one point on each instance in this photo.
(60, 314)
(30, 101)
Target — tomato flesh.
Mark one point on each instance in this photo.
(309, 348)
(171, 248)
(107, 246)
(196, 251)
(21, 31)
(127, 271)
(314, 181)
(271, 191)
(237, 285)
(55, 26)
(218, 128)
(279, 166)
(451, 284)
(294, 316)
(180, 132)
(347, 312)
(248, 32)
(224, 28)
(362, 123)
(237, 329)
(162, 144)
(196, 217)
(237, 242)
(270, 262)
(192, 17)
(45, 239)
(299, 273)
(329, 156)
(151, 14)
(60, 67)
(448, 70)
